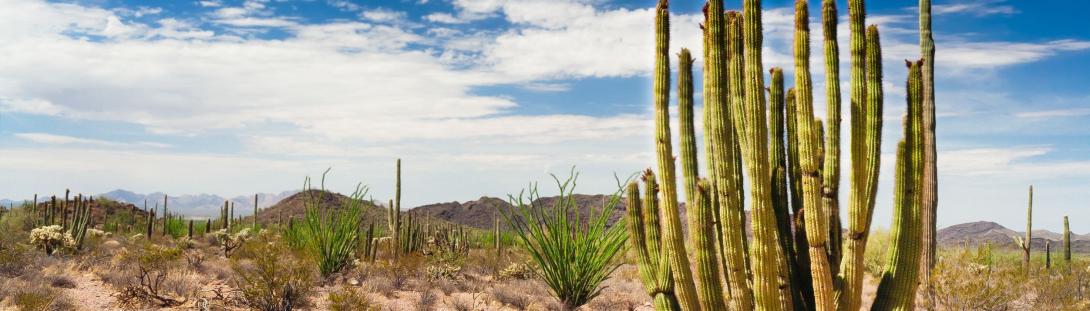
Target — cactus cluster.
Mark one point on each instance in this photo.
(791, 160)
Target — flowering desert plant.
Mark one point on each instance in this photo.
(228, 242)
(51, 238)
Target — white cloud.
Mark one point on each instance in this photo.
(1055, 113)
(444, 18)
(210, 3)
(382, 15)
(51, 139)
(30, 106)
(978, 8)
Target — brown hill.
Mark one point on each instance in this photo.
(978, 233)
(293, 206)
(481, 212)
(101, 210)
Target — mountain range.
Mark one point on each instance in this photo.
(198, 205)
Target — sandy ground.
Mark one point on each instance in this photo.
(90, 292)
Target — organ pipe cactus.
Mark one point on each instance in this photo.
(830, 172)
(866, 145)
(644, 236)
(166, 215)
(794, 166)
(1067, 241)
(81, 218)
(700, 214)
(393, 216)
(897, 289)
(674, 248)
(816, 223)
(777, 157)
(726, 156)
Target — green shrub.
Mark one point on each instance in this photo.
(272, 278)
(575, 257)
(874, 257)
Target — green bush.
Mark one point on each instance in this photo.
(349, 299)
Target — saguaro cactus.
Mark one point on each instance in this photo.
(166, 215)
(1026, 243)
(929, 205)
(1067, 241)
(897, 290)
(1048, 254)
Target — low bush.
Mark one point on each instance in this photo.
(272, 278)
(349, 299)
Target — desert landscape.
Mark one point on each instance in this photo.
(749, 191)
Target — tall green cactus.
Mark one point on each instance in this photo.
(816, 223)
(830, 172)
(1048, 254)
(1067, 241)
(726, 158)
(929, 191)
(393, 217)
(81, 218)
(792, 296)
(674, 248)
(866, 145)
(897, 290)
(700, 215)
(1026, 243)
(643, 235)
(166, 215)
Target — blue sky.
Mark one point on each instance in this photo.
(480, 97)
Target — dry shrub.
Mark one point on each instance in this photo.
(60, 281)
(33, 295)
(380, 284)
(426, 301)
(349, 299)
(517, 271)
(152, 277)
(403, 269)
(511, 295)
(272, 277)
(471, 303)
(968, 280)
(442, 271)
(1062, 288)
(16, 259)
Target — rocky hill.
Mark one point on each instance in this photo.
(198, 205)
(977, 233)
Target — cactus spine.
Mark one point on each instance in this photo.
(831, 162)
(674, 249)
(1067, 241)
(815, 221)
(897, 290)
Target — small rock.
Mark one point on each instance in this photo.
(353, 282)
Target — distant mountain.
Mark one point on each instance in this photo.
(977, 233)
(481, 213)
(198, 205)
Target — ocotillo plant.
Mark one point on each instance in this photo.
(1067, 241)
(897, 289)
(330, 234)
(1026, 243)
